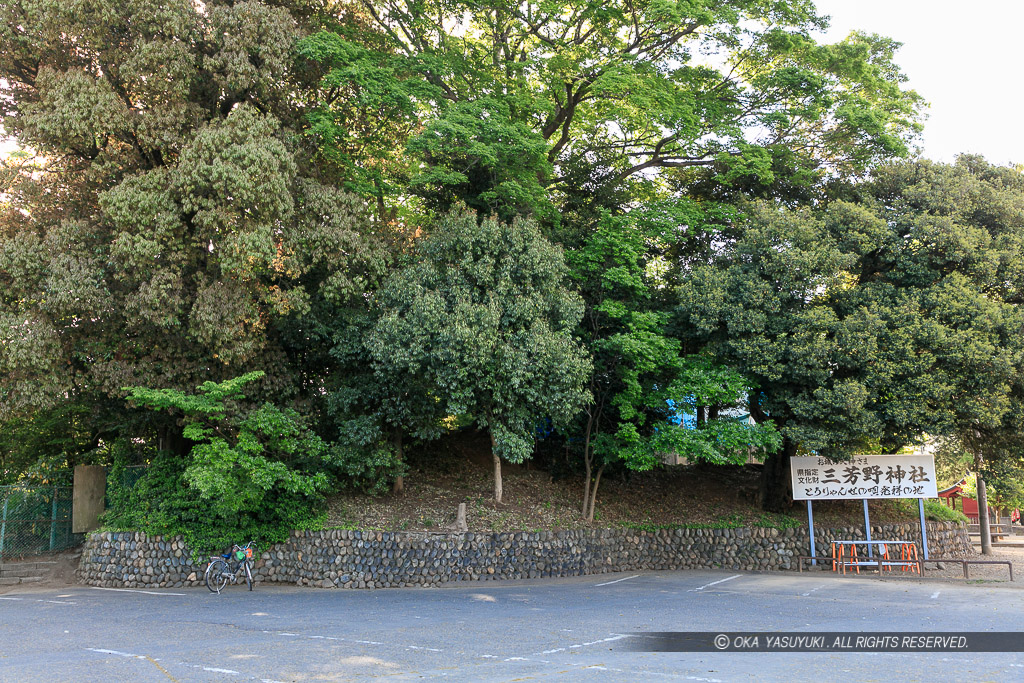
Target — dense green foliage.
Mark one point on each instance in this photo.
(617, 227)
(644, 381)
(876, 319)
(938, 512)
(175, 231)
(44, 447)
(507, 94)
(934, 510)
(1001, 466)
(255, 473)
(483, 323)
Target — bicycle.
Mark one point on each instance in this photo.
(219, 572)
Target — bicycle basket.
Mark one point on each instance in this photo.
(240, 555)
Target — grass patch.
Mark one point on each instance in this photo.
(934, 511)
(733, 521)
(774, 520)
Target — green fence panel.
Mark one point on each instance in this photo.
(35, 520)
(132, 475)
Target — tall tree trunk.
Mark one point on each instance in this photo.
(497, 471)
(587, 462)
(983, 527)
(173, 441)
(593, 495)
(399, 485)
(776, 491)
(586, 484)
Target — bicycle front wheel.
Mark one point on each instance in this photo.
(217, 575)
(248, 574)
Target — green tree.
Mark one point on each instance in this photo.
(45, 446)
(874, 320)
(363, 110)
(1001, 464)
(177, 231)
(509, 93)
(484, 322)
(372, 418)
(252, 472)
(643, 380)
(960, 229)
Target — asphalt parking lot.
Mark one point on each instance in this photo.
(550, 630)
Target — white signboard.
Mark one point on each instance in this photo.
(864, 476)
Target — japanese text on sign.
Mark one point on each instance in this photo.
(864, 476)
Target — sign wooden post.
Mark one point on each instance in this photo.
(87, 497)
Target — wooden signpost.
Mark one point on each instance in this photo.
(864, 477)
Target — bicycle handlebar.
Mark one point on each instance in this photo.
(249, 549)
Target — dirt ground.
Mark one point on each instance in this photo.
(59, 575)
(548, 495)
(978, 573)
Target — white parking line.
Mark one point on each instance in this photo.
(715, 583)
(525, 659)
(612, 638)
(115, 652)
(608, 583)
(289, 634)
(154, 660)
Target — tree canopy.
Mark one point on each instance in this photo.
(484, 322)
(508, 94)
(870, 323)
(645, 384)
(615, 228)
(173, 230)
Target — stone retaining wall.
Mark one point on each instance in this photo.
(377, 559)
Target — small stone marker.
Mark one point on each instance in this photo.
(460, 520)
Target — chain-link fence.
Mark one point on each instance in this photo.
(122, 481)
(35, 520)
(131, 475)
